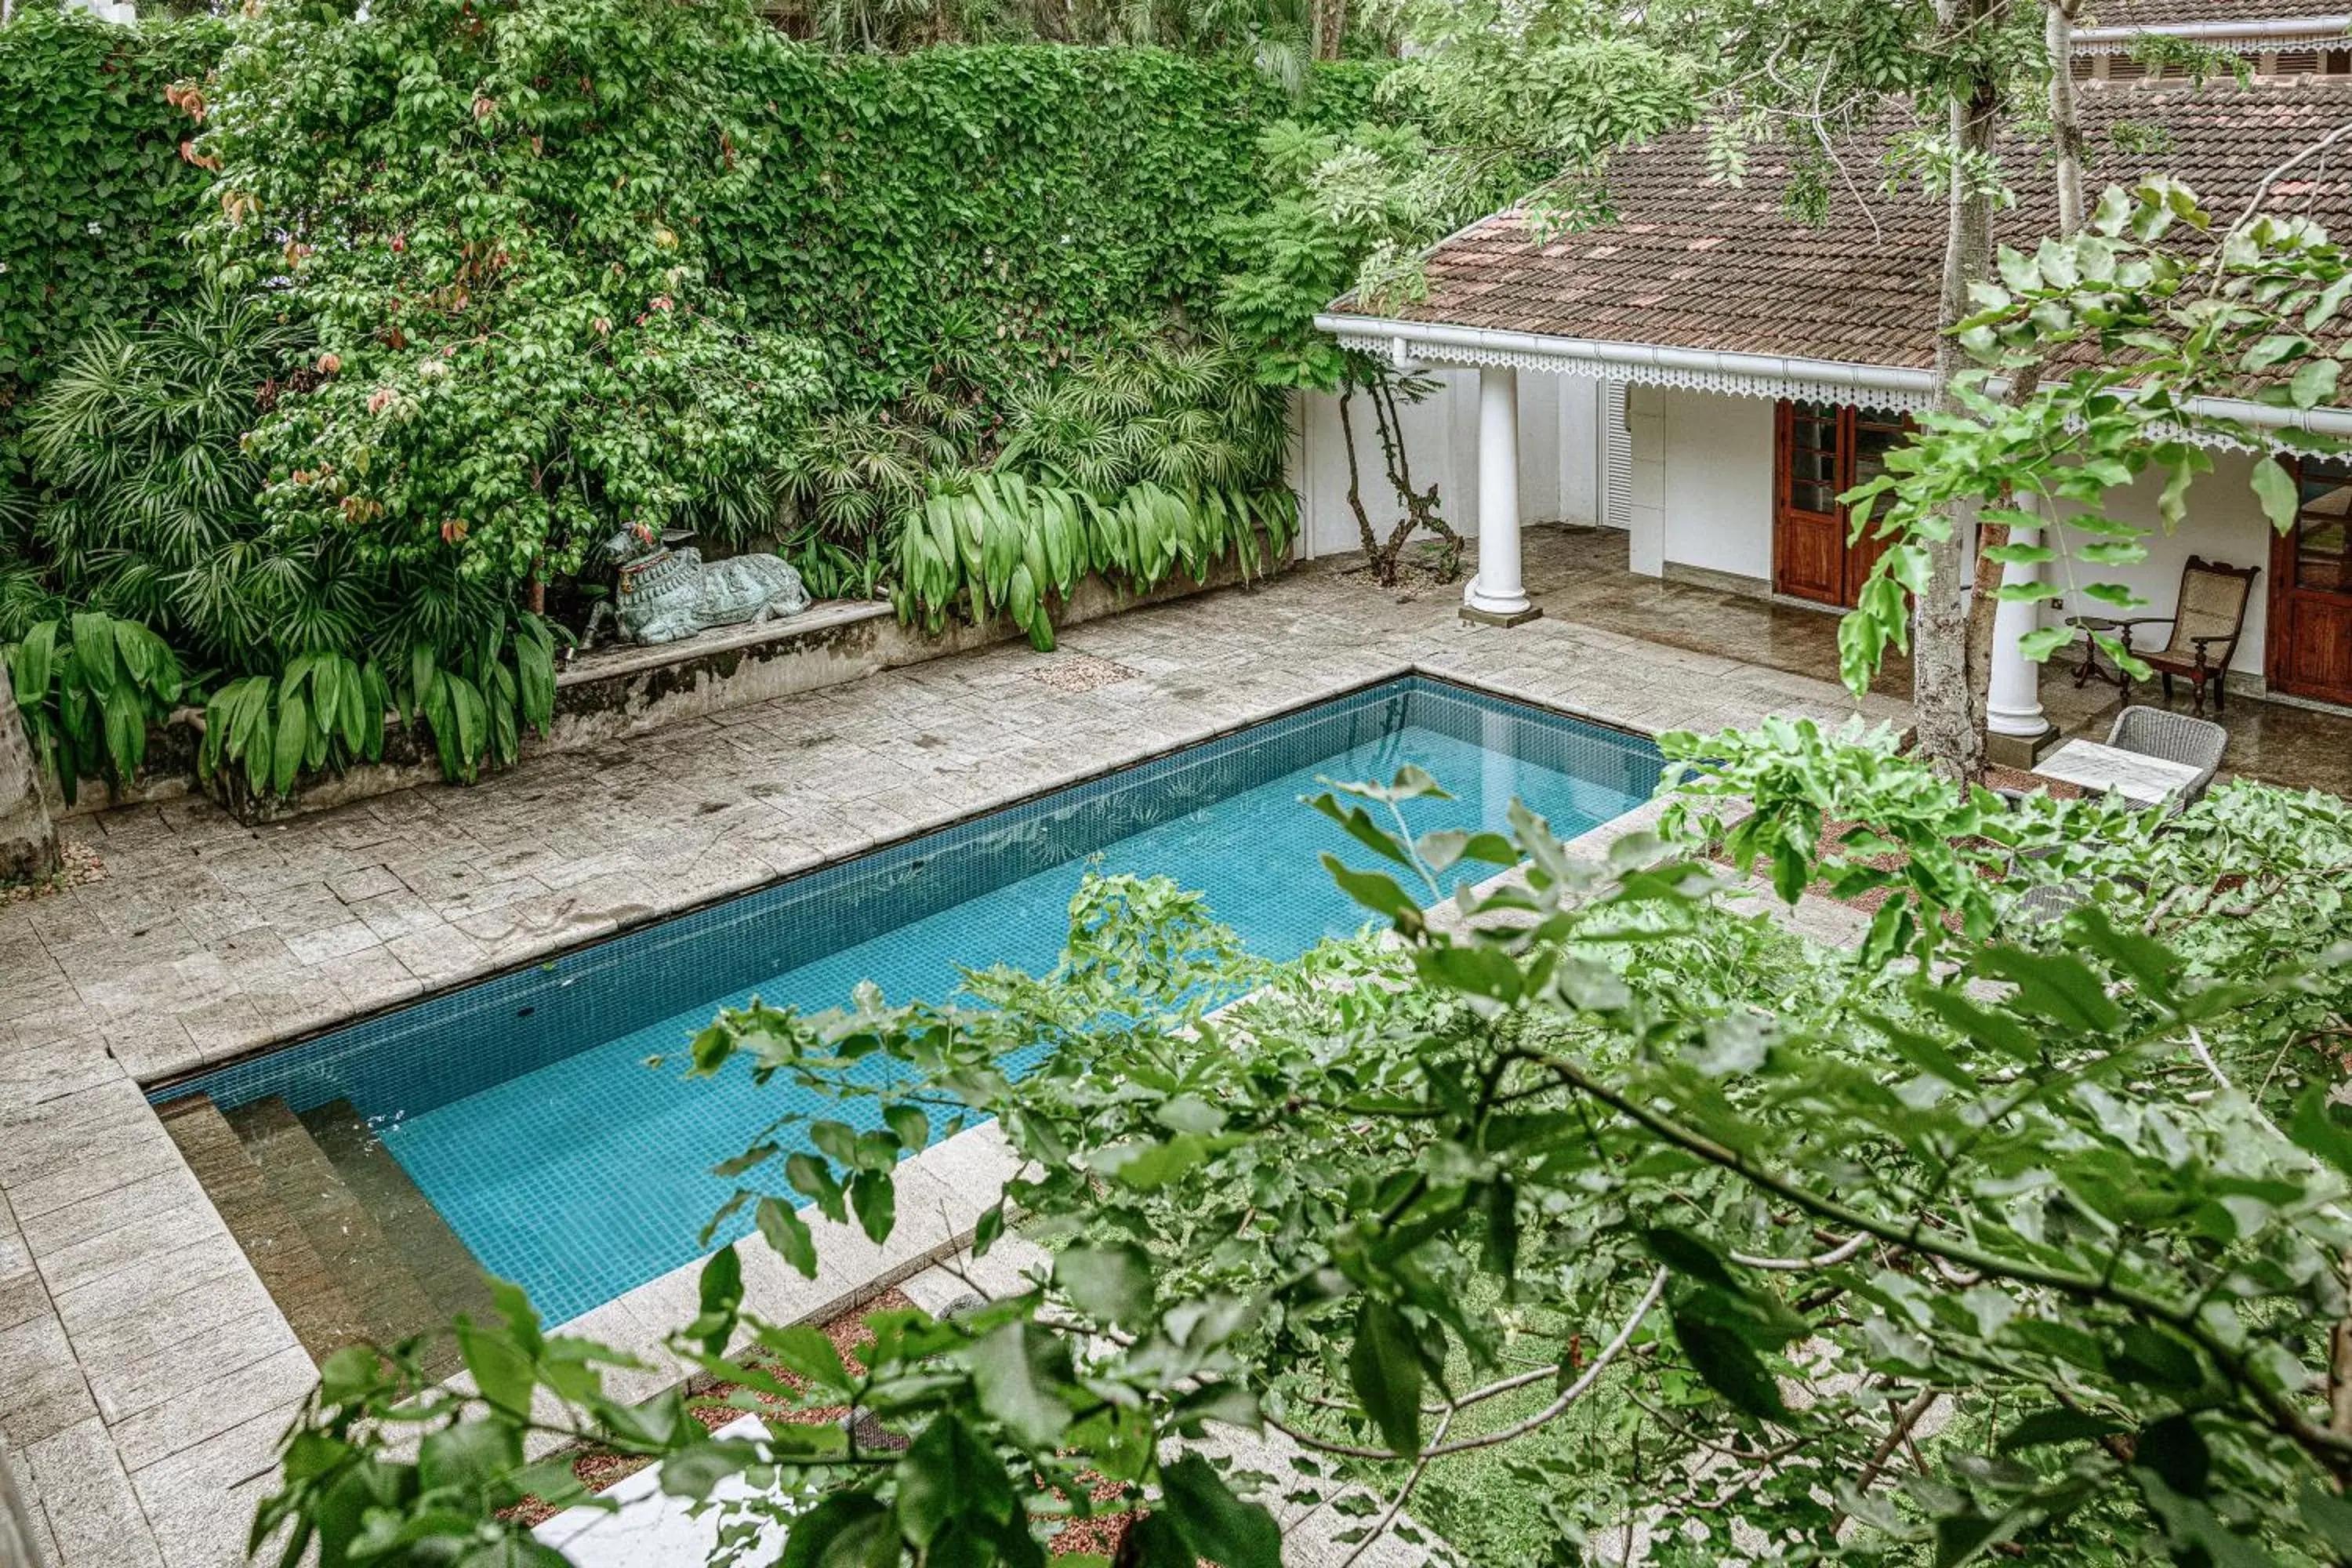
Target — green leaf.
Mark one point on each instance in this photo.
(1729, 1365)
(1017, 1371)
(2317, 1129)
(1688, 1256)
(874, 1195)
(945, 1474)
(1473, 971)
(2057, 1425)
(1378, 893)
(470, 1457)
(1384, 1369)
(32, 665)
(813, 1176)
(1361, 827)
(1112, 1283)
(2276, 490)
(788, 1233)
(722, 1291)
(1220, 1526)
(93, 644)
(2313, 381)
(807, 1352)
(501, 1369)
(841, 1531)
(2056, 985)
(293, 740)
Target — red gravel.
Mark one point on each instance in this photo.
(598, 1467)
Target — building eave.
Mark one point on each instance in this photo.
(1905, 387)
(2268, 34)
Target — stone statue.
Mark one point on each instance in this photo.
(667, 592)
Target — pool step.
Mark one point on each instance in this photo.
(436, 1256)
(391, 1303)
(290, 1267)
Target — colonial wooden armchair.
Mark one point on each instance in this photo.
(2206, 621)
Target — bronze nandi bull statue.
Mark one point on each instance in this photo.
(667, 592)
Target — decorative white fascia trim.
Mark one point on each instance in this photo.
(1643, 364)
(1738, 374)
(2245, 36)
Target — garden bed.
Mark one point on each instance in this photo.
(613, 693)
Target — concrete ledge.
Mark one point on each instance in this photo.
(619, 692)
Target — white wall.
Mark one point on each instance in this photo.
(1719, 482)
(1558, 465)
(2225, 523)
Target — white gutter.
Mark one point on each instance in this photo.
(1631, 356)
(1655, 363)
(2298, 28)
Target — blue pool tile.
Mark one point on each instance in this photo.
(524, 1108)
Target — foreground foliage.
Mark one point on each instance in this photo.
(2017, 1227)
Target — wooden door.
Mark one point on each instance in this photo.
(1876, 432)
(1807, 524)
(2310, 638)
(1822, 451)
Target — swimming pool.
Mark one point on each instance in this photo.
(522, 1106)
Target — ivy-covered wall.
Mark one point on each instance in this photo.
(1003, 202)
(1009, 199)
(94, 197)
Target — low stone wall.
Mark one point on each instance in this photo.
(613, 693)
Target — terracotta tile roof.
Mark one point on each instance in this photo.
(2202, 13)
(1692, 264)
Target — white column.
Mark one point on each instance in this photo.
(1497, 592)
(2014, 704)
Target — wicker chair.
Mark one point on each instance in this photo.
(2175, 737)
(2206, 621)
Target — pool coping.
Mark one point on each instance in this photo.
(175, 1073)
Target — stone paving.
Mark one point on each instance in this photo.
(145, 1375)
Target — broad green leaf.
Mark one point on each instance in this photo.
(1112, 1283)
(2275, 489)
(1018, 1370)
(1220, 1526)
(1385, 1371)
(1729, 1365)
(788, 1233)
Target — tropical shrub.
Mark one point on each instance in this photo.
(88, 687)
(994, 542)
(494, 223)
(139, 441)
(2033, 1248)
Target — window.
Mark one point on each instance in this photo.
(2322, 534)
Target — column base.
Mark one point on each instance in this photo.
(2019, 752)
(1471, 613)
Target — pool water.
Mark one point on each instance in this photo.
(523, 1107)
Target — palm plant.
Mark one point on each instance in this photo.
(1183, 411)
(148, 513)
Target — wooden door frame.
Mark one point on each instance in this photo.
(1848, 422)
(2278, 618)
(1784, 418)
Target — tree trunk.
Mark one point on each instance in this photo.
(1949, 708)
(2067, 170)
(29, 843)
(1330, 23)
